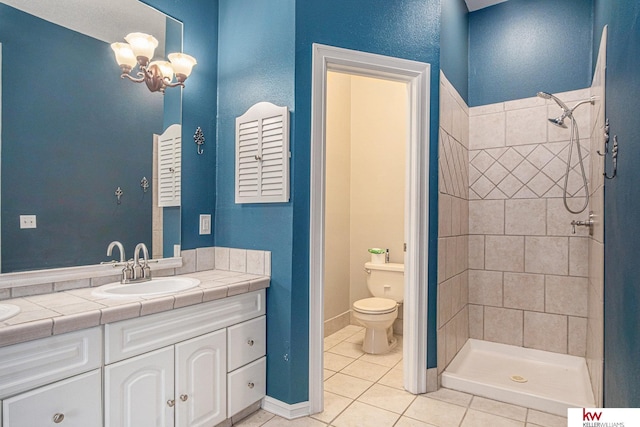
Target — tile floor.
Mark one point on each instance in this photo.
(363, 390)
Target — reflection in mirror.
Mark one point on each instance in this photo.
(73, 132)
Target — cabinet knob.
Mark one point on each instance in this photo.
(57, 418)
(250, 342)
(171, 403)
(251, 385)
(184, 397)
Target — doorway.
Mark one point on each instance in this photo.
(416, 77)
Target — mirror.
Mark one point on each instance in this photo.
(73, 132)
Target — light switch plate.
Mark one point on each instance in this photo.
(27, 221)
(205, 224)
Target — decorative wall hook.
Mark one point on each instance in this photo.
(198, 137)
(144, 183)
(614, 158)
(119, 194)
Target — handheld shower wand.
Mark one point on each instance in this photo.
(575, 137)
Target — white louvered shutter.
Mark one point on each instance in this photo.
(169, 166)
(262, 154)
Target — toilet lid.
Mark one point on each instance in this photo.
(375, 305)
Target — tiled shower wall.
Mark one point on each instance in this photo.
(595, 311)
(453, 227)
(527, 270)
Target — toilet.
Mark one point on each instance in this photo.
(376, 314)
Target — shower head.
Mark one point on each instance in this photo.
(559, 121)
(547, 95)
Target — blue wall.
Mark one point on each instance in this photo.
(622, 204)
(199, 108)
(256, 54)
(408, 29)
(520, 47)
(454, 45)
(64, 159)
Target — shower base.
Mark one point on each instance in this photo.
(548, 382)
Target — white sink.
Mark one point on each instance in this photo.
(154, 287)
(8, 310)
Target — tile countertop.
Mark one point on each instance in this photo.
(60, 312)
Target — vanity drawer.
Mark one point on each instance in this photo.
(246, 386)
(246, 342)
(132, 337)
(31, 364)
(73, 402)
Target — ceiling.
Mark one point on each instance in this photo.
(480, 4)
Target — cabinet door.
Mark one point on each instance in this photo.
(201, 380)
(139, 391)
(75, 402)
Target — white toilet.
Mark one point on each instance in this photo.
(386, 284)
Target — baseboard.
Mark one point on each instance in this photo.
(285, 410)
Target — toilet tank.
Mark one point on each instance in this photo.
(385, 280)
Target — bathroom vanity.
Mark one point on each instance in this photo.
(197, 365)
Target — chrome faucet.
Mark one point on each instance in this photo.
(141, 272)
(117, 244)
(127, 270)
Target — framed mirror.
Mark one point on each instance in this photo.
(73, 133)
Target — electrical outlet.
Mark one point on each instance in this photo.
(27, 221)
(205, 224)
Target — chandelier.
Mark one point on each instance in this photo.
(158, 75)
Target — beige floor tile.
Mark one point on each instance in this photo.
(393, 378)
(346, 332)
(389, 359)
(502, 409)
(298, 422)
(475, 418)
(346, 386)
(256, 419)
(451, 396)
(544, 419)
(336, 362)
(388, 398)
(365, 370)
(357, 338)
(410, 422)
(333, 405)
(431, 411)
(348, 349)
(327, 373)
(360, 415)
(331, 341)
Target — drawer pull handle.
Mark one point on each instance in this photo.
(171, 402)
(58, 418)
(250, 342)
(251, 385)
(184, 397)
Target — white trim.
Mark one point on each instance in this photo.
(417, 77)
(285, 410)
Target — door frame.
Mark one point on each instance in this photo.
(417, 76)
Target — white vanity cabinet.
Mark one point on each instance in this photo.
(75, 402)
(185, 383)
(171, 368)
(53, 381)
(247, 364)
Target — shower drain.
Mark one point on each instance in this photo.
(518, 379)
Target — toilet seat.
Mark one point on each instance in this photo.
(375, 305)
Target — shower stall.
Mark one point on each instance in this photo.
(520, 264)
